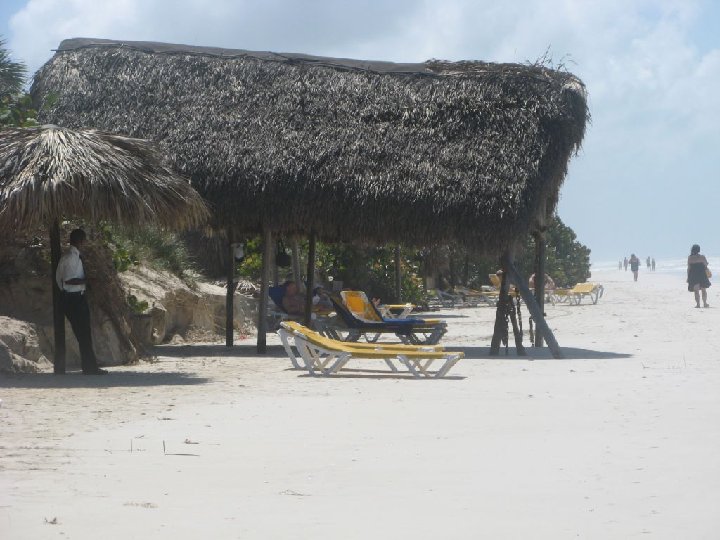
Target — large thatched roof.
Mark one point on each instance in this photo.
(416, 153)
(48, 172)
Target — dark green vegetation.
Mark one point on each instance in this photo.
(15, 107)
(372, 269)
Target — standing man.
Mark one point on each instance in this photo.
(70, 278)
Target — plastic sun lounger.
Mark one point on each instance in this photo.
(496, 282)
(409, 331)
(575, 295)
(321, 355)
(386, 310)
(590, 290)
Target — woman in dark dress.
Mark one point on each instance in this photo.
(698, 274)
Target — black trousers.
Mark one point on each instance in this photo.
(77, 311)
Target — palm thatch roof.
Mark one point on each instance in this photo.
(49, 172)
(416, 153)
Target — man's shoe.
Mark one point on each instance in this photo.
(96, 371)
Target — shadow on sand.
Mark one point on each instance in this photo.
(215, 350)
(112, 379)
(543, 353)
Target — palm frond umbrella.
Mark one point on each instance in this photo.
(50, 172)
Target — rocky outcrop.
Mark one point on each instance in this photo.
(20, 350)
(176, 309)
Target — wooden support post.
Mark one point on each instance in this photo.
(519, 347)
(296, 263)
(534, 309)
(540, 278)
(275, 268)
(500, 330)
(398, 275)
(58, 315)
(310, 279)
(230, 292)
(263, 304)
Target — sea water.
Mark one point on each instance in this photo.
(674, 267)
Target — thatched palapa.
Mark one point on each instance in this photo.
(49, 173)
(416, 153)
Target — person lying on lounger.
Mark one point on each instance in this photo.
(549, 283)
(292, 301)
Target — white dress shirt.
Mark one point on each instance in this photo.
(70, 267)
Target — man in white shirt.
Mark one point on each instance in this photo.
(70, 278)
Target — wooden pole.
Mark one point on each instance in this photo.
(500, 330)
(398, 275)
(58, 315)
(534, 309)
(519, 347)
(296, 262)
(263, 304)
(310, 279)
(230, 292)
(275, 268)
(540, 245)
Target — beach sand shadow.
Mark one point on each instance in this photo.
(542, 353)
(215, 350)
(112, 379)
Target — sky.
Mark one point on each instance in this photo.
(647, 179)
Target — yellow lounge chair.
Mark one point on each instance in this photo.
(575, 295)
(321, 355)
(363, 318)
(589, 290)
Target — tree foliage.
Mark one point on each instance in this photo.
(15, 107)
(372, 268)
(567, 260)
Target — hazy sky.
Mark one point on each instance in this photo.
(646, 179)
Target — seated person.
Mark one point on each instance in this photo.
(292, 301)
(321, 300)
(549, 283)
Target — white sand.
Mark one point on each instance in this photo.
(619, 440)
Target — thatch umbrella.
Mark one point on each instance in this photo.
(49, 172)
(417, 154)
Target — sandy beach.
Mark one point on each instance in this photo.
(618, 440)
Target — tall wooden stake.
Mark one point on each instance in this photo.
(540, 278)
(398, 275)
(296, 263)
(310, 279)
(58, 315)
(263, 304)
(275, 268)
(534, 309)
(500, 330)
(230, 292)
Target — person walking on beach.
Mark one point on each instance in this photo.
(71, 280)
(634, 266)
(625, 263)
(652, 263)
(647, 263)
(619, 265)
(698, 274)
